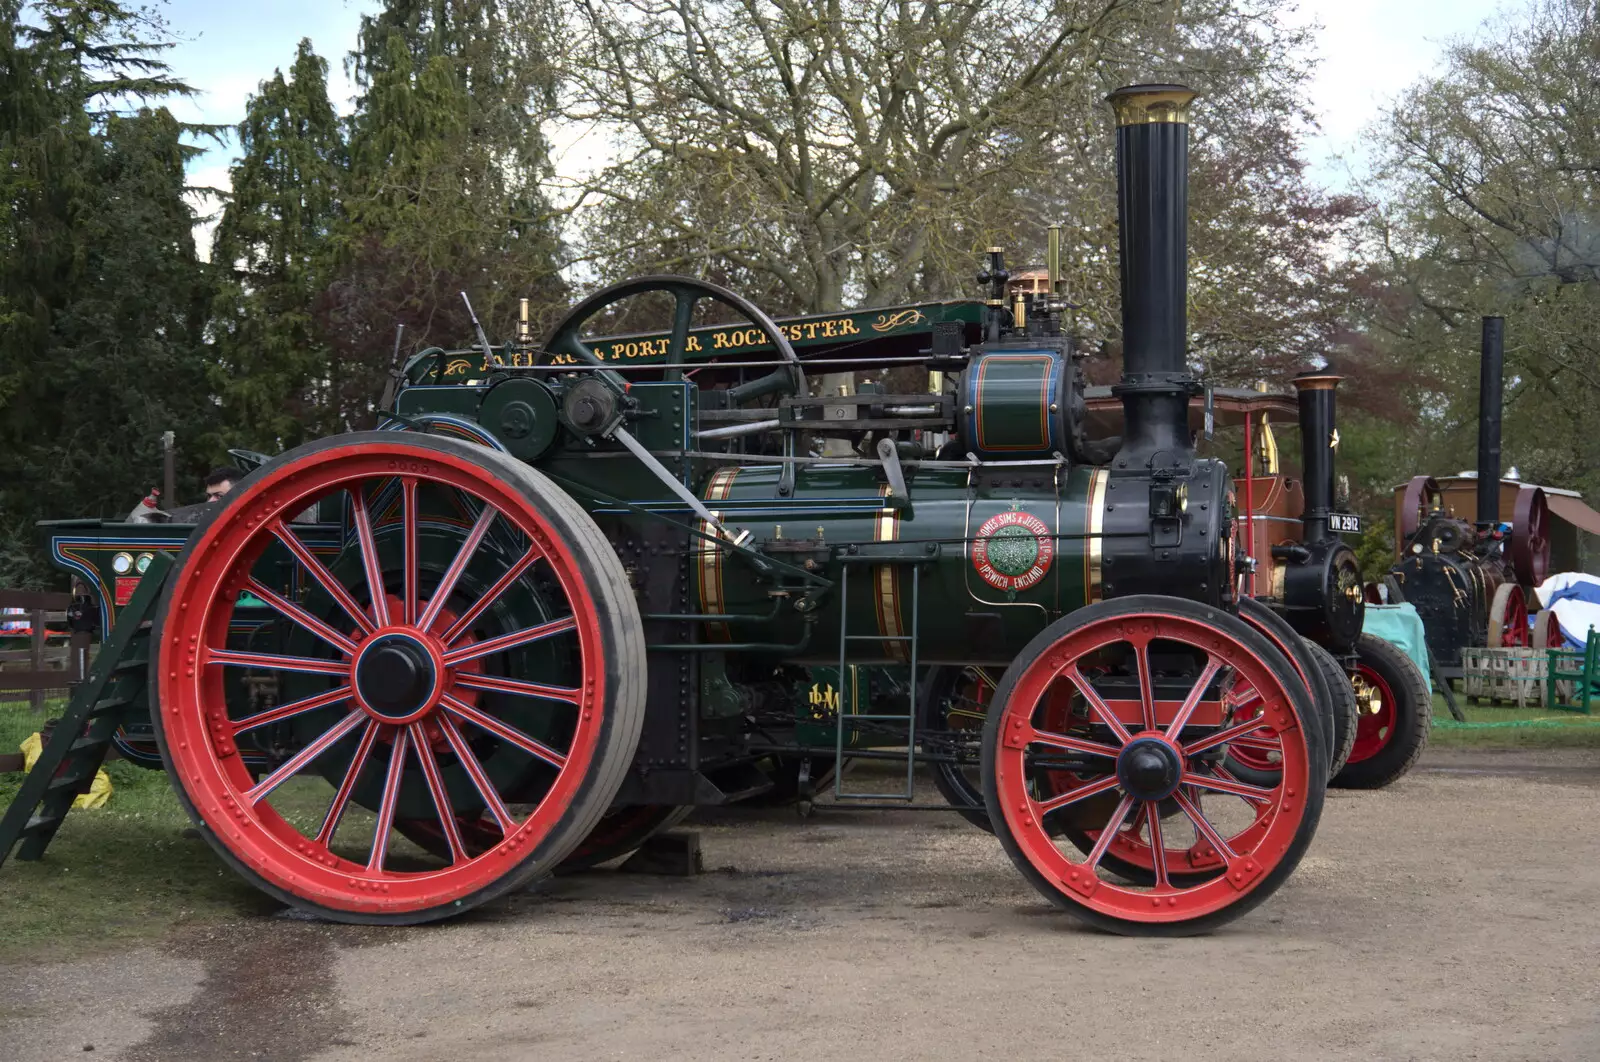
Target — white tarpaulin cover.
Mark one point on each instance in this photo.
(1575, 599)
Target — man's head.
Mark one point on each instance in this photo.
(219, 481)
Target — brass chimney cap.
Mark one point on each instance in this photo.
(1139, 104)
(1316, 382)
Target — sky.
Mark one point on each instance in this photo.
(1369, 51)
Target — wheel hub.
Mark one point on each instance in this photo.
(396, 678)
(1149, 769)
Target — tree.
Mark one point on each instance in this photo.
(443, 192)
(1487, 179)
(273, 250)
(828, 154)
(101, 297)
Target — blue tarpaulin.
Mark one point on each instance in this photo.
(1400, 625)
(1575, 599)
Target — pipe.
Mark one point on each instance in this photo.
(1249, 509)
(1153, 220)
(1490, 385)
(1318, 441)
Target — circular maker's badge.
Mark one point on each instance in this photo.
(1013, 551)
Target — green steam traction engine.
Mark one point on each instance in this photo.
(580, 587)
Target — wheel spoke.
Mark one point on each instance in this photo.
(1098, 706)
(369, 556)
(474, 770)
(391, 798)
(1094, 788)
(1112, 826)
(1196, 694)
(504, 731)
(1158, 848)
(452, 575)
(324, 578)
(305, 619)
(441, 799)
(1222, 737)
(464, 622)
(1260, 744)
(294, 708)
(1071, 744)
(292, 766)
(274, 662)
(341, 799)
(1222, 785)
(1147, 696)
(408, 539)
(1201, 823)
(510, 641)
(496, 684)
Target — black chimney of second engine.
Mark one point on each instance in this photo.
(1153, 222)
(1318, 446)
(1490, 372)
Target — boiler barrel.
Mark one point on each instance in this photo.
(976, 571)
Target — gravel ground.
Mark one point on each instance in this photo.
(1452, 916)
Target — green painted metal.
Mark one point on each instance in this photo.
(77, 747)
(867, 333)
(1581, 667)
(1009, 405)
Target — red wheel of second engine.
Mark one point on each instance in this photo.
(1137, 702)
(468, 648)
(1376, 725)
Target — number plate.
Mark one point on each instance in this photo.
(1345, 522)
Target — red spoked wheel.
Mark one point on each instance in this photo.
(621, 831)
(1508, 619)
(1395, 714)
(472, 649)
(1422, 497)
(1255, 759)
(1138, 701)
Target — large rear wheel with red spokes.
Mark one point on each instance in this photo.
(1116, 721)
(467, 648)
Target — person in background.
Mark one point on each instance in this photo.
(219, 481)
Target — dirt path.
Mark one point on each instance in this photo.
(1454, 916)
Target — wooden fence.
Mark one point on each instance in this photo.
(52, 661)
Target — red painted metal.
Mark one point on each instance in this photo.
(1375, 730)
(1237, 862)
(239, 809)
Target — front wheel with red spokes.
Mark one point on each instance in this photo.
(1396, 714)
(463, 645)
(1129, 708)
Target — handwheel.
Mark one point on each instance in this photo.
(1396, 715)
(1256, 760)
(1508, 619)
(473, 649)
(1140, 698)
(566, 339)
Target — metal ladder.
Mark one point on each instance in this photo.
(77, 748)
(908, 792)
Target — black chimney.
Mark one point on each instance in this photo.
(1153, 219)
(1318, 441)
(1491, 369)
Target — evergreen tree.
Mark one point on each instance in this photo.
(101, 297)
(443, 190)
(272, 251)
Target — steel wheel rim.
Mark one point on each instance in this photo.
(1238, 872)
(1375, 729)
(200, 737)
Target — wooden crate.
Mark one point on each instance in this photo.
(1507, 676)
